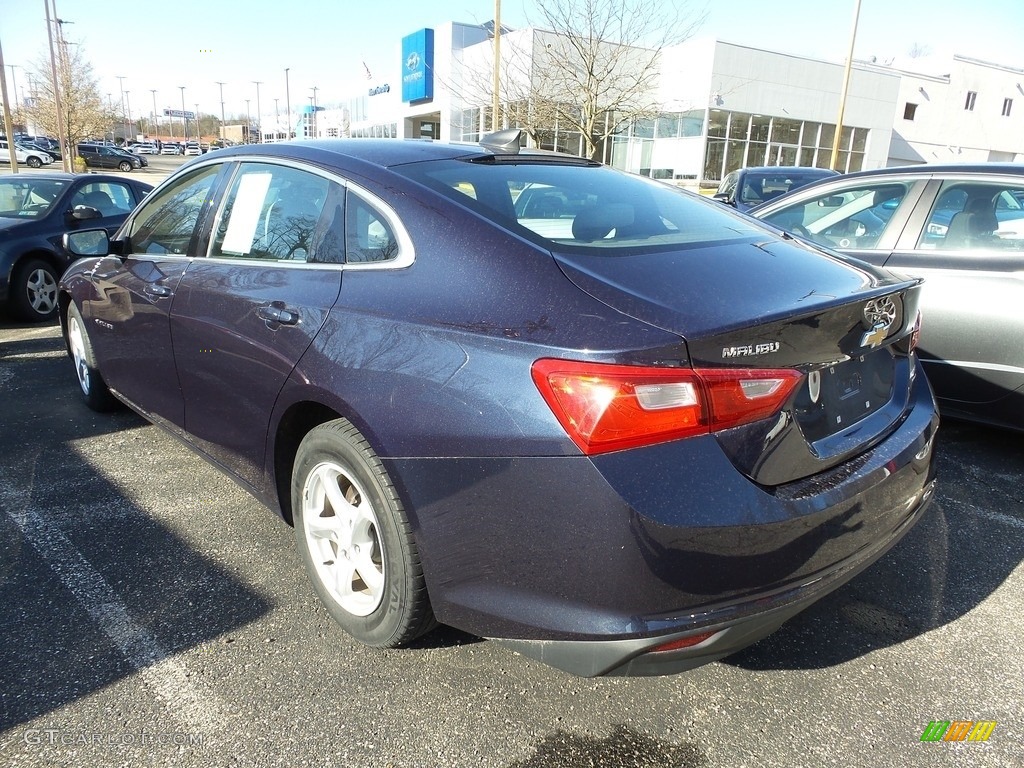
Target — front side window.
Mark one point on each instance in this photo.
(166, 223)
(975, 216)
(854, 218)
(271, 212)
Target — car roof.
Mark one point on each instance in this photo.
(384, 153)
(91, 178)
(788, 169)
(1013, 169)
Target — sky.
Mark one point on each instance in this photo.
(330, 44)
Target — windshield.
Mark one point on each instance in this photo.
(563, 206)
(21, 198)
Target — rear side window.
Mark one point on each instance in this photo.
(975, 216)
(369, 237)
(570, 206)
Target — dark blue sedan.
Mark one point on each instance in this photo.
(36, 210)
(624, 430)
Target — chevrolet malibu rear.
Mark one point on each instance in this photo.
(610, 424)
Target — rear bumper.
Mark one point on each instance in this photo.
(590, 563)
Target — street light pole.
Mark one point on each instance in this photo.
(248, 123)
(124, 125)
(184, 123)
(128, 101)
(199, 127)
(277, 119)
(156, 117)
(259, 112)
(315, 136)
(287, 105)
(221, 107)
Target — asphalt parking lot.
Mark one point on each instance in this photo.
(155, 614)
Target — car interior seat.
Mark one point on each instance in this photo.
(973, 226)
(101, 201)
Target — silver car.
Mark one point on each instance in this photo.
(961, 228)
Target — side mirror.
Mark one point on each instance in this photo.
(85, 212)
(723, 197)
(89, 242)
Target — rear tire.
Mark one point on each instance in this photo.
(355, 540)
(34, 290)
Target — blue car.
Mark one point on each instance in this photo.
(630, 435)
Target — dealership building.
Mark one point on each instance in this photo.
(716, 106)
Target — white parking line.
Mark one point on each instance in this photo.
(165, 675)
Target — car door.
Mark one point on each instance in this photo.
(967, 241)
(244, 315)
(130, 312)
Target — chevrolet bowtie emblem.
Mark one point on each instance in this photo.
(875, 336)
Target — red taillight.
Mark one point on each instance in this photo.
(610, 407)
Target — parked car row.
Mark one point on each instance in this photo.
(30, 156)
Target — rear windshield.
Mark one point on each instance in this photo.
(570, 207)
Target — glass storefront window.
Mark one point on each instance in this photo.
(828, 133)
(739, 125)
(692, 123)
(735, 152)
(807, 156)
(668, 126)
(847, 137)
(717, 120)
(759, 126)
(860, 139)
(713, 159)
(785, 131)
(756, 153)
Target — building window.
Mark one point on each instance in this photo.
(1007, 106)
(972, 96)
(909, 111)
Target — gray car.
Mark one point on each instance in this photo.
(961, 228)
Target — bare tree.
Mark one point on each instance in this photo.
(84, 113)
(597, 67)
(917, 50)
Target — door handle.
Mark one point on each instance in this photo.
(157, 291)
(280, 315)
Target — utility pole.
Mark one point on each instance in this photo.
(846, 88)
(315, 132)
(8, 124)
(128, 101)
(62, 135)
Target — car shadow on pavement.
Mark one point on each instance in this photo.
(960, 552)
(93, 588)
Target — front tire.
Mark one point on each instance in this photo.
(355, 540)
(34, 162)
(94, 389)
(125, 166)
(34, 290)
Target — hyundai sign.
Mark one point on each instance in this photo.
(418, 66)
